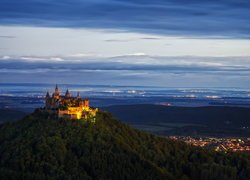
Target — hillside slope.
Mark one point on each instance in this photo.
(41, 146)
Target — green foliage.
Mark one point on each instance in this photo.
(43, 147)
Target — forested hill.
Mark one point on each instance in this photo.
(43, 147)
(213, 116)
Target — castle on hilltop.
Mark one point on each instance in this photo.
(69, 107)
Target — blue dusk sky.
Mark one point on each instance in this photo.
(171, 43)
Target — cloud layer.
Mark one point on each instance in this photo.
(130, 70)
(217, 18)
(167, 27)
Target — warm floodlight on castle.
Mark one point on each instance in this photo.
(67, 106)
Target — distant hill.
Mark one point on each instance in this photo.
(7, 115)
(212, 115)
(43, 147)
(228, 121)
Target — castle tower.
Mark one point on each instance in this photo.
(78, 95)
(56, 94)
(47, 100)
(47, 95)
(86, 102)
(57, 91)
(67, 94)
(67, 106)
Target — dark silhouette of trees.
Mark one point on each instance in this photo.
(43, 147)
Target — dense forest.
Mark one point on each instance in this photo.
(43, 147)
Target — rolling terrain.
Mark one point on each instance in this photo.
(40, 146)
(169, 120)
(8, 115)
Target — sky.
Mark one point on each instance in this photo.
(171, 43)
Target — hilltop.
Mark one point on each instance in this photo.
(41, 146)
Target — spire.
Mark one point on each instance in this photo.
(78, 94)
(56, 89)
(47, 95)
(67, 94)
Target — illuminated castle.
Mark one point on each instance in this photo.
(69, 107)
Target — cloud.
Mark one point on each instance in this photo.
(5, 57)
(117, 40)
(8, 37)
(132, 62)
(185, 71)
(135, 39)
(218, 18)
(151, 38)
(137, 54)
(37, 58)
(80, 55)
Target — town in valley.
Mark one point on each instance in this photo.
(218, 144)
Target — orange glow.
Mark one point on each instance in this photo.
(69, 107)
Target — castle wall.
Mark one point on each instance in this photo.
(69, 107)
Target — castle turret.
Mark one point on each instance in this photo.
(47, 95)
(57, 91)
(78, 95)
(86, 102)
(47, 100)
(67, 106)
(56, 94)
(67, 94)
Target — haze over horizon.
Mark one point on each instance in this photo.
(123, 42)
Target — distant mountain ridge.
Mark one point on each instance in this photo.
(231, 121)
(8, 115)
(43, 147)
(211, 115)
